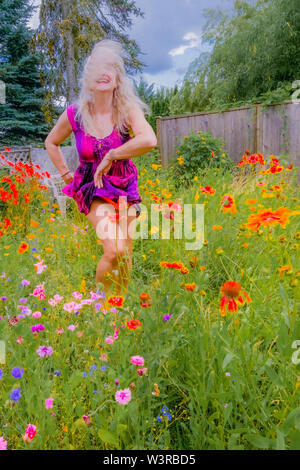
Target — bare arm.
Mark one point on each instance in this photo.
(58, 134)
(143, 141)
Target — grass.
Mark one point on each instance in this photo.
(228, 381)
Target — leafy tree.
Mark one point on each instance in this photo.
(253, 49)
(67, 32)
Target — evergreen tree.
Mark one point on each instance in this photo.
(21, 119)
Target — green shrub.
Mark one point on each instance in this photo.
(197, 152)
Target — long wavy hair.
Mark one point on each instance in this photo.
(125, 95)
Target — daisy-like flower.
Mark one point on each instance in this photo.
(145, 300)
(268, 217)
(190, 286)
(232, 296)
(23, 248)
(207, 190)
(133, 324)
(117, 301)
(123, 396)
(228, 204)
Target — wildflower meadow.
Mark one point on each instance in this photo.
(201, 352)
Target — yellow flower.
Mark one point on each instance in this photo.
(196, 196)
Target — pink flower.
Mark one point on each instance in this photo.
(137, 360)
(44, 351)
(109, 340)
(3, 443)
(72, 327)
(72, 307)
(86, 419)
(30, 432)
(103, 357)
(77, 295)
(36, 315)
(49, 403)
(60, 331)
(57, 298)
(123, 396)
(79, 334)
(20, 340)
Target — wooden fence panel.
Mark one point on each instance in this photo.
(275, 130)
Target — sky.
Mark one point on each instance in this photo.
(169, 36)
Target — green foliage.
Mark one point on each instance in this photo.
(197, 151)
(22, 121)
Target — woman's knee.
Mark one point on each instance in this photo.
(115, 254)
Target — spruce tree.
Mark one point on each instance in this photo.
(22, 121)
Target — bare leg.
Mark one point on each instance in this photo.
(117, 245)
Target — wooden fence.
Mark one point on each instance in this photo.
(273, 131)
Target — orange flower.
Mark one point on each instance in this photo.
(145, 300)
(232, 296)
(207, 190)
(228, 204)
(23, 247)
(133, 324)
(267, 217)
(190, 286)
(288, 269)
(117, 301)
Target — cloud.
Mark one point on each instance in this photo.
(194, 40)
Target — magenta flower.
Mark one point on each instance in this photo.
(44, 351)
(30, 432)
(137, 360)
(3, 443)
(123, 396)
(49, 403)
(37, 328)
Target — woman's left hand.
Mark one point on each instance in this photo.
(102, 169)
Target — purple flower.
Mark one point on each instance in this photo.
(15, 394)
(17, 372)
(39, 327)
(167, 317)
(3, 298)
(1, 374)
(25, 282)
(44, 351)
(23, 300)
(57, 373)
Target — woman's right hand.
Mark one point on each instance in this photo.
(68, 178)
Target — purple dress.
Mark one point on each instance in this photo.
(121, 180)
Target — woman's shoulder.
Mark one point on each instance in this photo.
(73, 115)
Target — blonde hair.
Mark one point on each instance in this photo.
(125, 95)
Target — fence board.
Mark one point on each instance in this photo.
(272, 131)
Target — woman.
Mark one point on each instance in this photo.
(107, 111)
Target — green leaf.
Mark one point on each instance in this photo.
(108, 437)
(280, 444)
(227, 359)
(258, 441)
